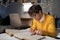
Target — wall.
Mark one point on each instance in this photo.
(56, 8)
(52, 6)
(11, 8)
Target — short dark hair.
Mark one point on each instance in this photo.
(34, 9)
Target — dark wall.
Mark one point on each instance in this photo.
(6, 10)
(11, 8)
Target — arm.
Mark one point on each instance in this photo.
(33, 27)
(52, 28)
(34, 30)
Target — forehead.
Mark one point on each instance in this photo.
(35, 13)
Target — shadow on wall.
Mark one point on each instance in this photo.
(5, 21)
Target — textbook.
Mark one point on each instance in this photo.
(25, 34)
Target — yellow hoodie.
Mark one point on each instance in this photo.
(48, 25)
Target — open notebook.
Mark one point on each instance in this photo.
(25, 34)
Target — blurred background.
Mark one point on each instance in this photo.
(21, 7)
(14, 16)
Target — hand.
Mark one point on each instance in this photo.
(32, 30)
(33, 33)
(39, 32)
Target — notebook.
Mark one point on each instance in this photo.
(25, 34)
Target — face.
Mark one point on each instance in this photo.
(38, 16)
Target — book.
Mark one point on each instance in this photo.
(25, 34)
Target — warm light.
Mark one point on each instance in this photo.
(26, 6)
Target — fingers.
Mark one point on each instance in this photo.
(33, 33)
(32, 30)
(39, 32)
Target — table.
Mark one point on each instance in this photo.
(25, 34)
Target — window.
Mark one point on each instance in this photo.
(26, 6)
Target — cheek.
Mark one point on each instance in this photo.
(38, 17)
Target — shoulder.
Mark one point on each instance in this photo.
(49, 16)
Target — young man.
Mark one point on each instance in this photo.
(43, 24)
